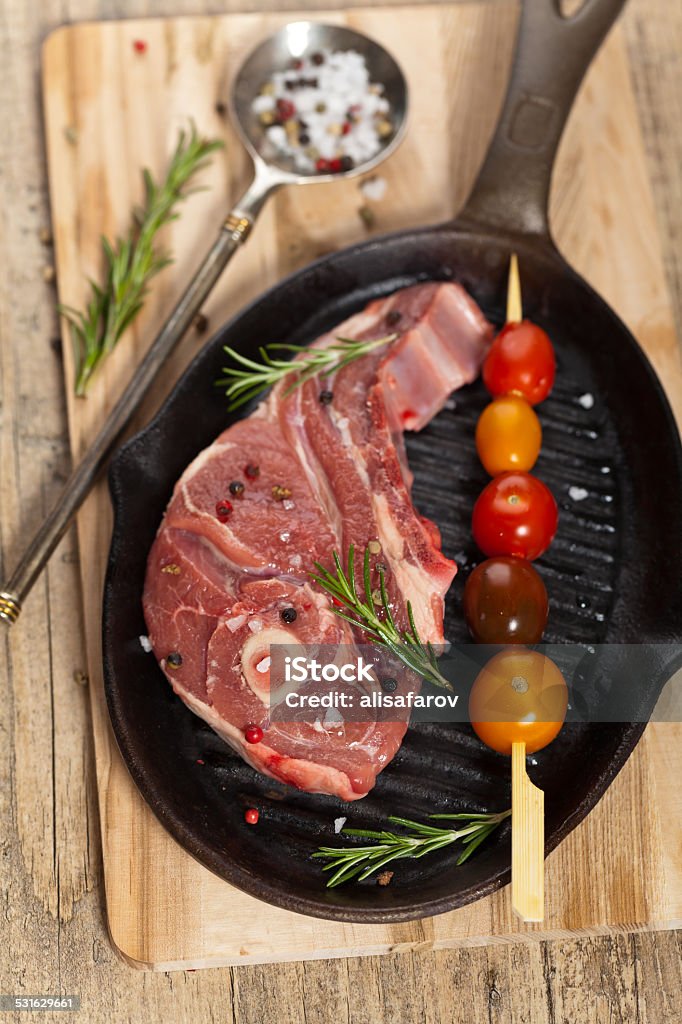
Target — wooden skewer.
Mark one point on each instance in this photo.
(528, 802)
(528, 841)
(514, 308)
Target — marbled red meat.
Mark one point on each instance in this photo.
(215, 590)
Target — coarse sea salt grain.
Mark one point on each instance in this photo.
(235, 623)
(577, 493)
(332, 717)
(255, 625)
(374, 188)
(339, 823)
(586, 400)
(344, 115)
(263, 666)
(145, 644)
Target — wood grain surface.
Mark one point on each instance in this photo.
(164, 910)
(52, 930)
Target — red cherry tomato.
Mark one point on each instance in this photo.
(520, 361)
(516, 514)
(505, 602)
(519, 696)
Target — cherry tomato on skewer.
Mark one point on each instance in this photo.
(520, 361)
(508, 435)
(515, 514)
(520, 696)
(505, 602)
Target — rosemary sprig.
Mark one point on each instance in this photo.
(405, 645)
(132, 261)
(361, 861)
(242, 385)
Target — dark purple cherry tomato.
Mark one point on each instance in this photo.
(505, 602)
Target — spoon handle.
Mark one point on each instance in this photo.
(232, 234)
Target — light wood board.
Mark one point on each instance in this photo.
(109, 111)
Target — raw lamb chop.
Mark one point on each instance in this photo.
(317, 478)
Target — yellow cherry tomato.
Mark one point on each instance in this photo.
(520, 695)
(508, 435)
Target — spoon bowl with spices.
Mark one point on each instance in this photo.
(315, 101)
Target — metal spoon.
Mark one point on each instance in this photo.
(271, 172)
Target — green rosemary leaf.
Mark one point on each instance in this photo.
(406, 647)
(131, 262)
(312, 361)
(420, 840)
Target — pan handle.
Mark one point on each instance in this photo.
(553, 53)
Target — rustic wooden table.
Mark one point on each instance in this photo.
(52, 927)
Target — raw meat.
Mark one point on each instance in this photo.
(215, 590)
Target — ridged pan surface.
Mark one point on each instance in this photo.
(611, 575)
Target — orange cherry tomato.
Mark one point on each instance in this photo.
(520, 361)
(519, 696)
(515, 514)
(508, 435)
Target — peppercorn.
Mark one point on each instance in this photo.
(251, 471)
(317, 59)
(321, 108)
(393, 317)
(251, 816)
(322, 165)
(285, 109)
(326, 397)
(139, 46)
(335, 165)
(347, 163)
(288, 615)
(303, 138)
(389, 685)
(223, 510)
(297, 64)
(174, 659)
(237, 488)
(253, 734)
(200, 323)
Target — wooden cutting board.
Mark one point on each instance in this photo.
(109, 110)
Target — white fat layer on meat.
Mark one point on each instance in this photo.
(235, 543)
(342, 424)
(205, 456)
(316, 477)
(411, 579)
